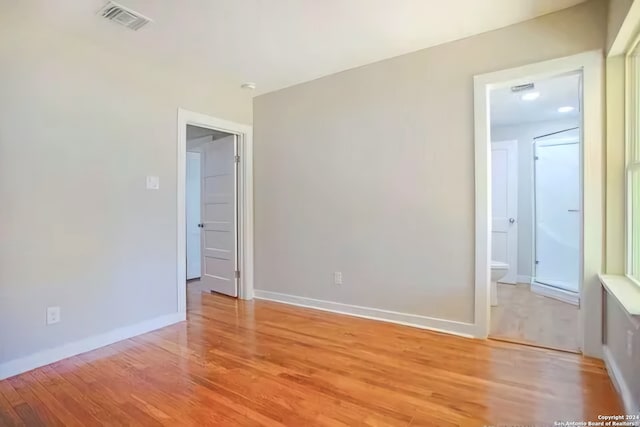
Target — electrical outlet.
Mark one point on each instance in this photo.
(53, 315)
(337, 278)
(630, 344)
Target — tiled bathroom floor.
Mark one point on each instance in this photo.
(526, 317)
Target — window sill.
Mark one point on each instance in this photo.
(624, 290)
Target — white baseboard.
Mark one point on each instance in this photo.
(45, 357)
(555, 293)
(524, 279)
(630, 406)
(467, 330)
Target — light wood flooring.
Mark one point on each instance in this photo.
(195, 285)
(263, 363)
(526, 317)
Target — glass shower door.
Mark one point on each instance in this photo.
(557, 209)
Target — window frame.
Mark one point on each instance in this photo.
(631, 148)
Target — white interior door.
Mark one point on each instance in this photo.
(192, 197)
(557, 209)
(219, 216)
(504, 206)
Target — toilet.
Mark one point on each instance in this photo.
(498, 271)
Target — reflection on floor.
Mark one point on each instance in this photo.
(524, 316)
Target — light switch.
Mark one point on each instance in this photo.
(153, 182)
(53, 315)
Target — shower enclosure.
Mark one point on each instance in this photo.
(557, 213)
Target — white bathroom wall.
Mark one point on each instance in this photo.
(192, 197)
(525, 133)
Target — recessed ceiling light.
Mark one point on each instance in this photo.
(565, 109)
(248, 85)
(530, 96)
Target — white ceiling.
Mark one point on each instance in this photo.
(278, 43)
(508, 108)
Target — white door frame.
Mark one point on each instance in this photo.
(245, 199)
(591, 65)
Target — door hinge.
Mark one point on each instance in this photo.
(237, 274)
(535, 157)
(537, 262)
(236, 159)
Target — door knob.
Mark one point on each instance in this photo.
(512, 220)
(574, 210)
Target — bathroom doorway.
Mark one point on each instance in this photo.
(535, 128)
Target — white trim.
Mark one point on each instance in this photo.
(630, 406)
(631, 145)
(439, 325)
(626, 292)
(591, 66)
(555, 293)
(245, 150)
(45, 357)
(630, 126)
(524, 279)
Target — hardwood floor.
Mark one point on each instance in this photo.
(263, 363)
(524, 316)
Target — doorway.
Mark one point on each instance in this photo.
(536, 195)
(212, 209)
(586, 68)
(215, 218)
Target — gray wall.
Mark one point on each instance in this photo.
(370, 171)
(524, 134)
(80, 128)
(618, 323)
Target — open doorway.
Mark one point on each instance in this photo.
(215, 216)
(589, 65)
(536, 201)
(212, 209)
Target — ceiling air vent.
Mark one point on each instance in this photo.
(522, 88)
(124, 16)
